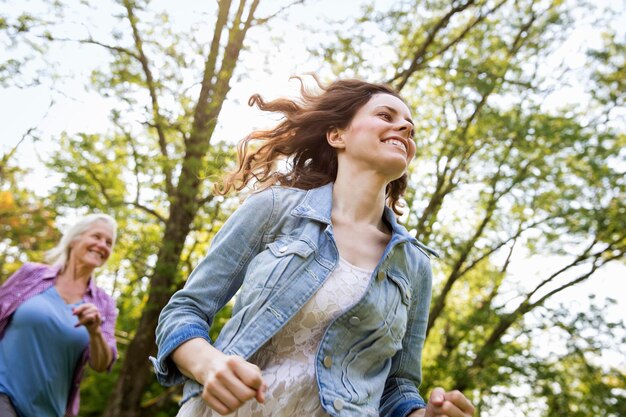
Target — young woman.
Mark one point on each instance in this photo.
(53, 320)
(334, 294)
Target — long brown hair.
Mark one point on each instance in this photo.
(299, 140)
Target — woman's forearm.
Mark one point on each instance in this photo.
(100, 354)
(194, 358)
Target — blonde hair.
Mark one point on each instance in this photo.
(60, 254)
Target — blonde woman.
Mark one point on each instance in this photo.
(53, 320)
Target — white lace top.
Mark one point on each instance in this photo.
(287, 361)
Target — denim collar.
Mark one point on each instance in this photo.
(317, 205)
(318, 202)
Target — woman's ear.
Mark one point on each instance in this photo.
(334, 138)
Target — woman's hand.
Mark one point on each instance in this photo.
(228, 380)
(100, 354)
(446, 404)
(88, 316)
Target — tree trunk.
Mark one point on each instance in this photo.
(136, 374)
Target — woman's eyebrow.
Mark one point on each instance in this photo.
(394, 111)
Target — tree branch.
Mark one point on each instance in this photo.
(508, 320)
(210, 64)
(579, 259)
(91, 41)
(158, 118)
(100, 184)
(5, 158)
(147, 210)
(467, 29)
(419, 56)
(500, 244)
(263, 20)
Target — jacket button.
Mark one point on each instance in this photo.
(283, 249)
(328, 361)
(338, 404)
(354, 320)
(381, 275)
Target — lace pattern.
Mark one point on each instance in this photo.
(287, 361)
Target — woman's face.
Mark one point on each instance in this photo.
(380, 136)
(93, 247)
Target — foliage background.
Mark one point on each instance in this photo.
(519, 182)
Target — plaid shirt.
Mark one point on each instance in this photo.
(32, 279)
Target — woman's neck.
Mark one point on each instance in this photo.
(75, 273)
(359, 198)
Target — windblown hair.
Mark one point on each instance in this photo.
(60, 254)
(299, 140)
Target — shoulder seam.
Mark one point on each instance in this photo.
(428, 251)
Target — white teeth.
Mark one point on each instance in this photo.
(395, 142)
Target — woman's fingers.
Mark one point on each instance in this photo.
(250, 374)
(228, 395)
(448, 404)
(88, 316)
(458, 399)
(247, 372)
(234, 382)
(213, 402)
(260, 394)
(218, 392)
(235, 386)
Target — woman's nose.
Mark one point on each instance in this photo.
(403, 125)
(103, 244)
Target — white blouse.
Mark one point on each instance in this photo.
(287, 361)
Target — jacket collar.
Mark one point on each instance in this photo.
(51, 272)
(317, 205)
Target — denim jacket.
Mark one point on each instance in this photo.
(276, 250)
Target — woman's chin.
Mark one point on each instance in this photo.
(396, 170)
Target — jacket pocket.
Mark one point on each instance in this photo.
(284, 247)
(403, 286)
(272, 268)
(398, 309)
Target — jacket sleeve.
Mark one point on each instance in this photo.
(190, 311)
(108, 329)
(401, 395)
(11, 293)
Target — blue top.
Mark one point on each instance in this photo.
(36, 378)
(276, 251)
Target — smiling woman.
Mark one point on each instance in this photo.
(333, 293)
(53, 320)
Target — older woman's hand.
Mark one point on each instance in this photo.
(100, 354)
(446, 404)
(88, 316)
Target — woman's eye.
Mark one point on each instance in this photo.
(385, 116)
